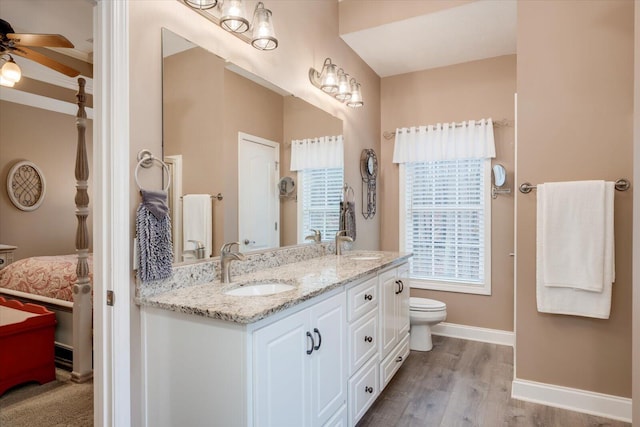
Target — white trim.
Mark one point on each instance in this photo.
(39, 101)
(112, 217)
(474, 333)
(516, 179)
(573, 399)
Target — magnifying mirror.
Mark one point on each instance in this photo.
(499, 175)
(286, 185)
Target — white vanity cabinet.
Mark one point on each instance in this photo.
(299, 367)
(394, 321)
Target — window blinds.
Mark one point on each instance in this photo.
(444, 223)
(321, 195)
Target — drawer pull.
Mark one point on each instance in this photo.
(368, 389)
(317, 347)
(2, 262)
(368, 339)
(399, 288)
(312, 343)
(399, 359)
(368, 297)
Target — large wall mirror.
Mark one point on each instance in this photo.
(228, 132)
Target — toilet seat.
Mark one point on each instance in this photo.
(426, 304)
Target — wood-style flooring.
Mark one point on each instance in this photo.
(464, 383)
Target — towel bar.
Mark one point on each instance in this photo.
(621, 185)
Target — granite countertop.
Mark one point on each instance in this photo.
(311, 278)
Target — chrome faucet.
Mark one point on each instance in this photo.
(316, 236)
(226, 256)
(341, 237)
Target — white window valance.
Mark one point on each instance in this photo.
(445, 141)
(317, 153)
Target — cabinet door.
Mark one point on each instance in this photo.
(328, 360)
(388, 308)
(402, 300)
(282, 384)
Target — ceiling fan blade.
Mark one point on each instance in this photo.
(46, 61)
(48, 40)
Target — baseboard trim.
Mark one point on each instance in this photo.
(588, 402)
(492, 336)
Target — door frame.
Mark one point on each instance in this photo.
(112, 216)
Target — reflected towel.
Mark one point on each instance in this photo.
(153, 231)
(575, 248)
(348, 219)
(197, 221)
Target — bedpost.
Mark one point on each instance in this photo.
(82, 298)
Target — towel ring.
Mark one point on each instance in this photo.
(147, 161)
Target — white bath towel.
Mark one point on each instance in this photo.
(197, 221)
(575, 248)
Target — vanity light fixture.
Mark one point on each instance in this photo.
(231, 15)
(201, 4)
(337, 83)
(10, 73)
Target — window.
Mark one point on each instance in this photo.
(445, 220)
(320, 192)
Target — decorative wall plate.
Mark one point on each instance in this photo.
(26, 186)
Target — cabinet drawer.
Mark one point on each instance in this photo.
(362, 298)
(363, 340)
(364, 388)
(394, 361)
(339, 419)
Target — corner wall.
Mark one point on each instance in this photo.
(575, 104)
(469, 91)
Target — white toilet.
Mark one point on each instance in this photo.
(424, 313)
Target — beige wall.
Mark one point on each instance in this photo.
(49, 140)
(358, 15)
(301, 120)
(575, 103)
(473, 90)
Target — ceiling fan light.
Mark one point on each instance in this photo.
(356, 95)
(10, 71)
(201, 4)
(6, 83)
(264, 37)
(344, 90)
(234, 17)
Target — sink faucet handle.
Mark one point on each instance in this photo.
(198, 244)
(316, 236)
(226, 248)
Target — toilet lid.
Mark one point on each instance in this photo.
(425, 304)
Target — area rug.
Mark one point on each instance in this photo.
(58, 403)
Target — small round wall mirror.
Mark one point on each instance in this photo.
(499, 175)
(287, 186)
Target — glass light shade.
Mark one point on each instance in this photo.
(6, 83)
(201, 4)
(356, 95)
(264, 37)
(10, 71)
(344, 89)
(233, 16)
(329, 82)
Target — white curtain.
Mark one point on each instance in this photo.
(448, 141)
(317, 153)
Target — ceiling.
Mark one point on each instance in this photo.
(70, 18)
(478, 30)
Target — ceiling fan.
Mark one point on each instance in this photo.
(12, 43)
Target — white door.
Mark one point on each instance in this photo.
(282, 385)
(258, 200)
(328, 361)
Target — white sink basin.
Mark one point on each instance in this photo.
(260, 289)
